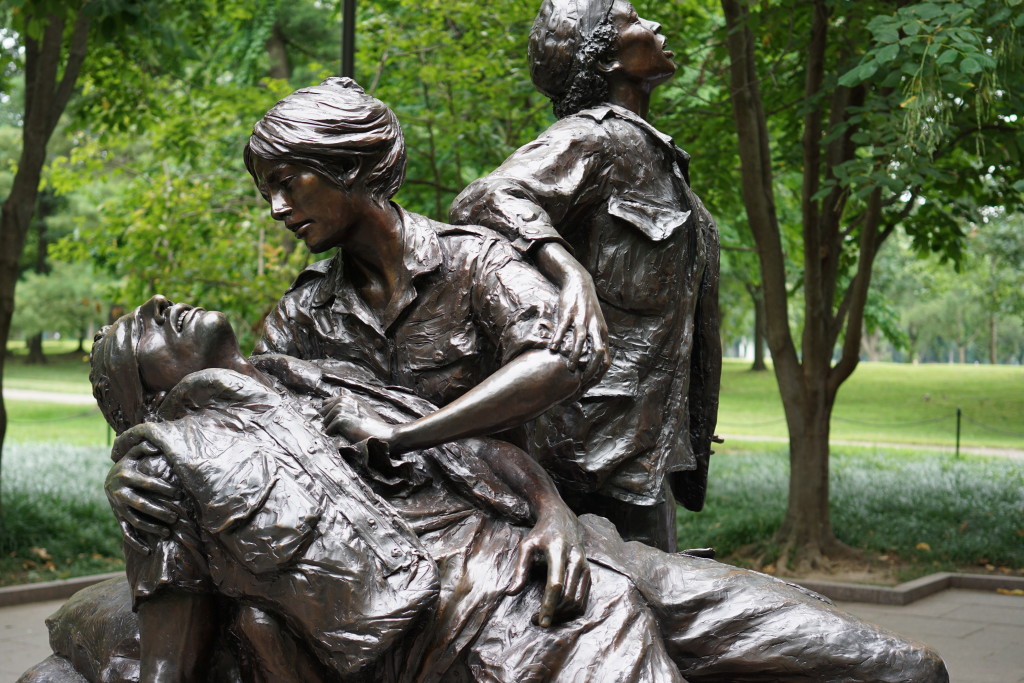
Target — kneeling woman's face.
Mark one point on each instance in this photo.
(320, 213)
(178, 339)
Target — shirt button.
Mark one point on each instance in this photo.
(395, 552)
(438, 356)
(372, 523)
(311, 449)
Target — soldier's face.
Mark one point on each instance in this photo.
(641, 54)
(320, 213)
(178, 339)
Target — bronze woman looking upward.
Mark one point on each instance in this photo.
(601, 202)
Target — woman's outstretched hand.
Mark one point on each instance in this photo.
(557, 542)
(580, 322)
(351, 419)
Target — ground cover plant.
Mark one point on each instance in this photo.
(923, 510)
(56, 522)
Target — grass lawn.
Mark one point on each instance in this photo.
(65, 371)
(891, 403)
(33, 422)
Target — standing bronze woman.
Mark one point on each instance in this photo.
(605, 184)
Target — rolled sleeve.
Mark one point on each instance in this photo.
(513, 301)
(560, 174)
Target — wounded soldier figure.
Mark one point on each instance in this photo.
(292, 558)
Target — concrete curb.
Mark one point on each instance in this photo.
(911, 591)
(903, 594)
(49, 590)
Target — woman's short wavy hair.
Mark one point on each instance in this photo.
(350, 138)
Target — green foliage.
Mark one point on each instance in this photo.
(965, 315)
(176, 211)
(69, 300)
(455, 72)
(945, 93)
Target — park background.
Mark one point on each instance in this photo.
(886, 134)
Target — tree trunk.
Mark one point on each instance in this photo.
(806, 530)
(759, 322)
(871, 344)
(35, 350)
(808, 382)
(47, 91)
(993, 340)
(277, 53)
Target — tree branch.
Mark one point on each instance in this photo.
(76, 55)
(757, 186)
(858, 297)
(817, 307)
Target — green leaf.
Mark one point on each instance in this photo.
(927, 10)
(947, 56)
(887, 53)
(850, 78)
(970, 65)
(912, 27)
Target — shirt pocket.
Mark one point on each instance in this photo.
(440, 363)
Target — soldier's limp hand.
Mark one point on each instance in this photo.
(555, 541)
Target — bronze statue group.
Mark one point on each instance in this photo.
(456, 451)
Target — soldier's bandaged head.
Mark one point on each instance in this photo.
(116, 382)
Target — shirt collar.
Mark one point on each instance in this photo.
(603, 111)
(422, 255)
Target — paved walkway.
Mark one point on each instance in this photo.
(979, 634)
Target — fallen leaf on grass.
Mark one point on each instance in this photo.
(41, 553)
(1010, 591)
(990, 567)
(922, 546)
